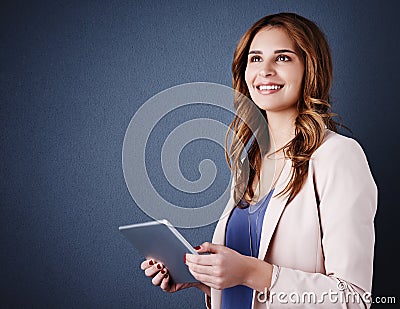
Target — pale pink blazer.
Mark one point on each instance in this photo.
(325, 235)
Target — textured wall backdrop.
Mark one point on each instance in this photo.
(72, 75)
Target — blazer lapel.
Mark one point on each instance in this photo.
(274, 210)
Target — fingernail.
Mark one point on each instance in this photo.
(165, 276)
(159, 266)
(197, 247)
(184, 258)
(162, 271)
(151, 262)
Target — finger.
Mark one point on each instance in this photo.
(153, 270)
(146, 264)
(157, 279)
(206, 260)
(210, 247)
(202, 269)
(200, 249)
(165, 285)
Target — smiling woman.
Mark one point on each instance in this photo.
(306, 229)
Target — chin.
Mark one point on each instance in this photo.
(269, 106)
(266, 106)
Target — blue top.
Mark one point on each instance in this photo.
(238, 239)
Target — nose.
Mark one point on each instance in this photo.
(267, 69)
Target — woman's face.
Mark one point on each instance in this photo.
(274, 71)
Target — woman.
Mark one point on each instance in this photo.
(305, 236)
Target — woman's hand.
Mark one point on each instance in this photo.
(224, 268)
(160, 277)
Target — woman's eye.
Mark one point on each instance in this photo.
(283, 58)
(255, 59)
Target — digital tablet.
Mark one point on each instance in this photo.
(159, 240)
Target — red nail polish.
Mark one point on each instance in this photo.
(163, 271)
(158, 266)
(151, 262)
(184, 258)
(165, 276)
(197, 247)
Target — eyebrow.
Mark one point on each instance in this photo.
(278, 51)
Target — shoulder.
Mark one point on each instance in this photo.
(340, 172)
(338, 147)
(341, 158)
(340, 155)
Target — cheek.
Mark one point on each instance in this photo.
(296, 84)
(300, 87)
(297, 81)
(295, 90)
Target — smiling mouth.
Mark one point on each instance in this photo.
(269, 87)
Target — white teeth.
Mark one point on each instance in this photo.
(269, 87)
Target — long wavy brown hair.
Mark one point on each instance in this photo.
(314, 109)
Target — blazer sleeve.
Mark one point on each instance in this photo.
(347, 197)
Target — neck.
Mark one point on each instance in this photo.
(281, 127)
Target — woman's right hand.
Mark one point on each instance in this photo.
(160, 277)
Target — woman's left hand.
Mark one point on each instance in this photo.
(221, 269)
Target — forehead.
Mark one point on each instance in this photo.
(272, 38)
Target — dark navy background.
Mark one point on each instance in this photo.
(73, 73)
